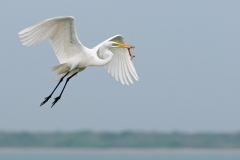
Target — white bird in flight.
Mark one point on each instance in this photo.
(74, 57)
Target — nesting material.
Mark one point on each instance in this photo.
(131, 53)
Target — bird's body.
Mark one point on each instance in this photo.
(79, 62)
(74, 57)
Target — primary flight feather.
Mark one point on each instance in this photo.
(74, 57)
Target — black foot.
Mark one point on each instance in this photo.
(55, 101)
(46, 99)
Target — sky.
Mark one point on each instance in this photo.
(187, 59)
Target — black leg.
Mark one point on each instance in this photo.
(57, 98)
(48, 97)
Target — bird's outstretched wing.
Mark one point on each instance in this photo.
(121, 66)
(61, 32)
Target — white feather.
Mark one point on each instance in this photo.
(61, 32)
(121, 66)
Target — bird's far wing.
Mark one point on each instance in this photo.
(61, 32)
(121, 66)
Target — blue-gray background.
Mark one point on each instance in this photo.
(187, 58)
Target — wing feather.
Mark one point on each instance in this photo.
(108, 68)
(116, 67)
(123, 70)
(120, 69)
(127, 71)
(61, 32)
(121, 66)
(131, 69)
(113, 67)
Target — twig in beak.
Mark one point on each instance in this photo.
(131, 53)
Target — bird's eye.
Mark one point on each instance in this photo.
(115, 44)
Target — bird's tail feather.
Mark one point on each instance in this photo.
(60, 69)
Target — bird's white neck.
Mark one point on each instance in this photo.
(106, 56)
(102, 62)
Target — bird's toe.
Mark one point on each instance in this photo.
(46, 99)
(55, 101)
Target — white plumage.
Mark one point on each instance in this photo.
(74, 57)
(61, 32)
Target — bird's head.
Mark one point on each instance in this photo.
(121, 45)
(112, 44)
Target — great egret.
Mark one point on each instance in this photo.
(74, 57)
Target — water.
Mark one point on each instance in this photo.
(115, 154)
